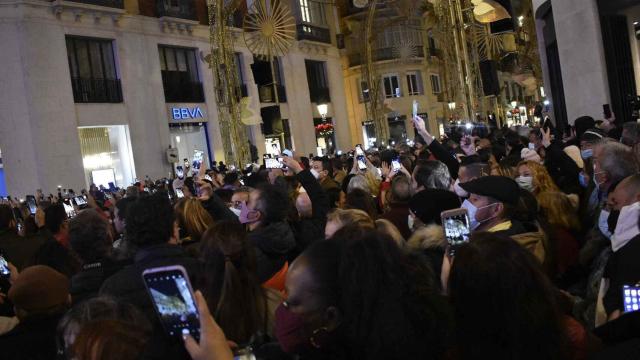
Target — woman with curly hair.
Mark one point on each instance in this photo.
(534, 177)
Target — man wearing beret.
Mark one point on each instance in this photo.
(492, 201)
(40, 296)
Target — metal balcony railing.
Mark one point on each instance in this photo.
(182, 9)
(313, 33)
(88, 90)
(118, 4)
(178, 87)
(267, 94)
(381, 54)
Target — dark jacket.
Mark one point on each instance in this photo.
(127, 285)
(308, 230)
(32, 339)
(562, 169)
(442, 154)
(86, 283)
(623, 268)
(398, 215)
(272, 243)
(19, 250)
(56, 256)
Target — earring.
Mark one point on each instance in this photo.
(320, 333)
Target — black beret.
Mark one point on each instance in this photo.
(501, 188)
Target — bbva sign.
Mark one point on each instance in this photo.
(186, 113)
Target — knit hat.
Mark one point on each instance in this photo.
(428, 204)
(574, 153)
(530, 155)
(39, 288)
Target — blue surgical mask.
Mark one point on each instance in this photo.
(586, 154)
(582, 179)
(603, 223)
(471, 209)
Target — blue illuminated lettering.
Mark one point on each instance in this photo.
(186, 113)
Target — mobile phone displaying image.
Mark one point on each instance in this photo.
(4, 268)
(208, 178)
(179, 171)
(273, 163)
(361, 163)
(197, 159)
(395, 165)
(80, 201)
(172, 296)
(631, 296)
(282, 165)
(359, 151)
(606, 109)
(31, 203)
(68, 208)
(415, 108)
(455, 224)
(179, 193)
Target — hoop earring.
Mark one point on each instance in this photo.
(318, 332)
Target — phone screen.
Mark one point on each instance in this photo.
(273, 163)
(197, 159)
(208, 178)
(361, 164)
(179, 171)
(4, 267)
(456, 230)
(179, 193)
(31, 202)
(171, 293)
(359, 151)
(71, 212)
(79, 200)
(415, 108)
(395, 165)
(631, 296)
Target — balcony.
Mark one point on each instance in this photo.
(179, 88)
(117, 4)
(267, 95)
(182, 9)
(87, 90)
(435, 52)
(382, 54)
(313, 33)
(319, 95)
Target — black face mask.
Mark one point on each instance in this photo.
(613, 220)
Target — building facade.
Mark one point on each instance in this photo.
(103, 88)
(407, 60)
(590, 56)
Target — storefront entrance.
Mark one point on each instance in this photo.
(106, 155)
(190, 138)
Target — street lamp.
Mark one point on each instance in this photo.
(514, 104)
(452, 105)
(546, 103)
(322, 110)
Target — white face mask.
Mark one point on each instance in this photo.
(410, 221)
(525, 182)
(459, 190)
(315, 174)
(471, 209)
(626, 227)
(603, 223)
(235, 211)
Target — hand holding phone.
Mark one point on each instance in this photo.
(415, 109)
(606, 110)
(5, 272)
(455, 224)
(396, 165)
(171, 293)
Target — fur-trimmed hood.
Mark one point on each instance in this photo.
(427, 237)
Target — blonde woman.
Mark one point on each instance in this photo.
(340, 218)
(193, 220)
(534, 177)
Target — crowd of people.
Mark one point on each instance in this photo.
(327, 259)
